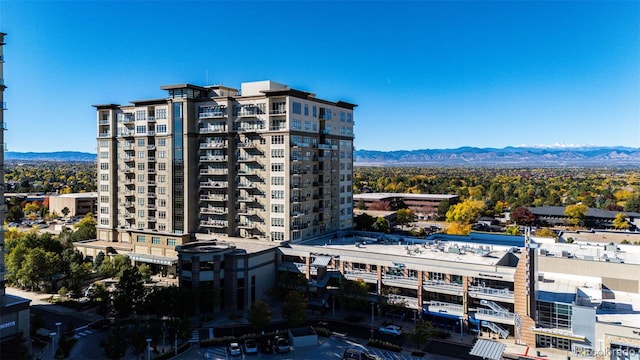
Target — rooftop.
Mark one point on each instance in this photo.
(80, 195)
(250, 246)
(382, 196)
(628, 254)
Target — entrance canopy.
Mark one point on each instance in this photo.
(321, 261)
(488, 349)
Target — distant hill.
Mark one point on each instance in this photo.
(50, 156)
(508, 156)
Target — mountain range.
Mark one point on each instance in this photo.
(597, 156)
(508, 156)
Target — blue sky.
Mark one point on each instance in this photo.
(424, 74)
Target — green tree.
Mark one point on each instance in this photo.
(98, 260)
(381, 225)
(85, 228)
(576, 213)
(443, 207)
(364, 222)
(423, 332)
(116, 344)
(633, 203)
(360, 205)
(404, 217)
(100, 296)
(129, 292)
(259, 314)
(620, 222)
(294, 310)
(466, 212)
(65, 211)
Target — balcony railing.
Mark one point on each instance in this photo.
(213, 210)
(409, 302)
(213, 158)
(101, 135)
(126, 119)
(278, 112)
(497, 316)
(214, 184)
(278, 128)
(212, 114)
(213, 145)
(214, 223)
(488, 291)
(151, 118)
(444, 307)
(368, 276)
(103, 122)
(213, 197)
(212, 130)
(411, 281)
(441, 285)
(213, 171)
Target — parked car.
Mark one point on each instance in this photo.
(250, 347)
(394, 330)
(358, 354)
(281, 345)
(234, 349)
(266, 346)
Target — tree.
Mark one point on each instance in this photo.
(456, 228)
(633, 204)
(576, 213)
(98, 260)
(620, 222)
(545, 232)
(14, 214)
(513, 230)
(381, 225)
(380, 205)
(466, 212)
(100, 296)
(294, 310)
(360, 205)
(65, 211)
(523, 216)
(85, 228)
(115, 345)
(423, 332)
(354, 294)
(129, 292)
(404, 216)
(443, 207)
(259, 314)
(364, 222)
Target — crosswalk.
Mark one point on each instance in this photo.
(82, 332)
(388, 355)
(195, 336)
(215, 353)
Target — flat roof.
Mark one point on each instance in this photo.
(411, 250)
(628, 254)
(381, 196)
(249, 245)
(79, 195)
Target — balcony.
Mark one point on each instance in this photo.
(151, 195)
(151, 159)
(482, 292)
(212, 158)
(151, 133)
(247, 185)
(128, 170)
(212, 114)
(248, 199)
(249, 172)
(213, 210)
(100, 135)
(101, 121)
(151, 119)
(247, 225)
(400, 281)
(444, 308)
(151, 206)
(126, 119)
(250, 128)
(214, 223)
(278, 112)
(246, 145)
(278, 128)
(129, 215)
(213, 145)
(151, 171)
(213, 197)
(213, 171)
(151, 183)
(212, 130)
(409, 302)
(214, 184)
(442, 287)
(151, 147)
(127, 133)
(363, 275)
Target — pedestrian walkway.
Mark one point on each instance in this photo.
(82, 332)
(195, 336)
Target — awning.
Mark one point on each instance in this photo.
(488, 349)
(153, 259)
(558, 333)
(321, 261)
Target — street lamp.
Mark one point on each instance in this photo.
(58, 325)
(148, 348)
(372, 304)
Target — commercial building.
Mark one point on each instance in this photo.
(583, 298)
(423, 205)
(77, 204)
(14, 311)
(264, 161)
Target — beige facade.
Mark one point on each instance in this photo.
(265, 162)
(78, 204)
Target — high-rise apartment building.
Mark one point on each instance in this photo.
(14, 311)
(265, 162)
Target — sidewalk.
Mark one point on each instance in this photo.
(41, 299)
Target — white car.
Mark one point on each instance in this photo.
(234, 349)
(390, 330)
(250, 347)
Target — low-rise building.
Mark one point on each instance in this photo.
(77, 204)
(423, 205)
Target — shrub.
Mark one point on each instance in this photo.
(384, 345)
(321, 331)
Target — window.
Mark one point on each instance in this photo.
(349, 117)
(162, 227)
(140, 239)
(141, 213)
(141, 115)
(141, 129)
(162, 215)
(104, 210)
(140, 154)
(104, 143)
(155, 240)
(162, 142)
(162, 166)
(277, 208)
(277, 167)
(306, 110)
(141, 201)
(296, 108)
(277, 180)
(314, 126)
(315, 111)
(104, 166)
(277, 194)
(104, 154)
(279, 222)
(277, 236)
(171, 242)
(140, 142)
(162, 154)
(140, 189)
(342, 130)
(104, 177)
(162, 203)
(161, 113)
(342, 116)
(104, 199)
(104, 188)
(141, 177)
(277, 139)
(161, 128)
(104, 221)
(141, 166)
(277, 153)
(307, 125)
(162, 178)
(162, 190)
(296, 124)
